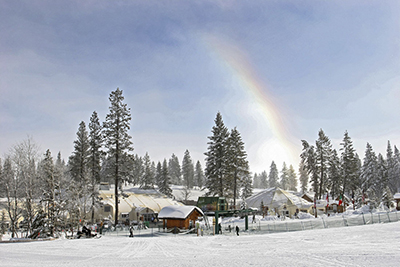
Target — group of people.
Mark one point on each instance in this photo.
(229, 229)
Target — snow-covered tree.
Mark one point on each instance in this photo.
(369, 174)
(165, 183)
(348, 166)
(308, 161)
(284, 179)
(237, 164)
(263, 178)
(292, 179)
(148, 177)
(323, 153)
(303, 178)
(117, 140)
(174, 170)
(216, 162)
(187, 170)
(199, 175)
(273, 175)
(335, 180)
(94, 164)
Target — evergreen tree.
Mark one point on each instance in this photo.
(273, 175)
(138, 170)
(349, 167)
(187, 170)
(323, 153)
(284, 180)
(199, 175)
(50, 190)
(382, 183)
(292, 178)
(216, 167)
(303, 178)
(94, 164)
(396, 173)
(117, 140)
(165, 184)
(369, 173)
(308, 161)
(335, 181)
(174, 170)
(158, 176)
(148, 177)
(263, 180)
(79, 168)
(256, 181)
(237, 165)
(391, 168)
(247, 190)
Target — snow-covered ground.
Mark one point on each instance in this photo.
(367, 245)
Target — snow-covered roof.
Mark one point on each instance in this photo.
(177, 212)
(136, 198)
(396, 196)
(276, 197)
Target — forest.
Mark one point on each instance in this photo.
(67, 192)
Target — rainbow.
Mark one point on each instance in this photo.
(240, 67)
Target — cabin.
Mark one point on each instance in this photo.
(183, 217)
(396, 197)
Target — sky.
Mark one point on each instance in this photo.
(279, 71)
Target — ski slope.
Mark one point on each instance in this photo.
(369, 245)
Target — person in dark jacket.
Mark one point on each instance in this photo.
(237, 230)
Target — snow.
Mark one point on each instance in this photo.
(178, 212)
(367, 245)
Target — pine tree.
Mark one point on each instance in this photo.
(199, 175)
(165, 183)
(323, 153)
(303, 178)
(187, 170)
(237, 171)
(263, 180)
(148, 177)
(396, 172)
(79, 168)
(138, 170)
(292, 179)
(369, 173)
(308, 161)
(117, 140)
(382, 183)
(335, 181)
(391, 168)
(94, 165)
(349, 166)
(50, 190)
(284, 179)
(247, 190)
(174, 170)
(273, 175)
(215, 170)
(158, 176)
(256, 181)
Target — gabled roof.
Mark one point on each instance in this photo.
(276, 197)
(178, 212)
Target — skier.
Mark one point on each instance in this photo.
(131, 231)
(219, 229)
(237, 230)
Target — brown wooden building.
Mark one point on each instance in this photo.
(183, 217)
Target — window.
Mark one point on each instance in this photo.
(107, 208)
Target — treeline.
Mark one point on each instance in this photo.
(50, 194)
(285, 179)
(375, 178)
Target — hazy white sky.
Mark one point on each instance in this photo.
(277, 70)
